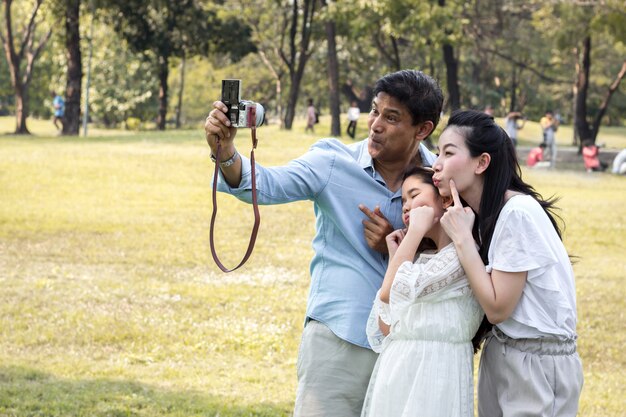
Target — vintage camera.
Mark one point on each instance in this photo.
(242, 113)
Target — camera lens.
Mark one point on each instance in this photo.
(260, 114)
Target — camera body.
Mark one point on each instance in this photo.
(241, 113)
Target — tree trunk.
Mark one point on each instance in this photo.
(277, 79)
(582, 125)
(396, 52)
(297, 59)
(292, 99)
(14, 60)
(452, 77)
(513, 103)
(452, 72)
(364, 100)
(19, 80)
(279, 102)
(179, 107)
(21, 111)
(71, 119)
(575, 138)
(431, 66)
(393, 57)
(607, 99)
(163, 73)
(333, 79)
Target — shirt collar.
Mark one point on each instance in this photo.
(366, 161)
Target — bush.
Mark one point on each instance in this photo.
(133, 123)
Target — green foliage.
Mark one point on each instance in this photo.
(613, 20)
(160, 30)
(133, 123)
(122, 84)
(496, 43)
(203, 83)
(38, 89)
(173, 28)
(6, 91)
(166, 28)
(48, 75)
(563, 25)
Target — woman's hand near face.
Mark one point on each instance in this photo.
(458, 221)
(497, 292)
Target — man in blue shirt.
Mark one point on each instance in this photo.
(59, 109)
(343, 182)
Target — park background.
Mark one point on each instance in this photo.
(111, 304)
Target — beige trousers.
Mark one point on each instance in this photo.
(332, 374)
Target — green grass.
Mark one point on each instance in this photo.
(112, 306)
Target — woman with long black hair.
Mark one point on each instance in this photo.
(520, 272)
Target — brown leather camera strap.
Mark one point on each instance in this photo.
(257, 216)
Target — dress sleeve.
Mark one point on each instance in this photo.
(375, 336)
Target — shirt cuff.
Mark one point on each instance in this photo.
(246, 179)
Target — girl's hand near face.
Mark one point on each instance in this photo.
(393, 240)
(458, 221)
(421, 219)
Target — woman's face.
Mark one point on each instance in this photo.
(455, 163)
(416, 193)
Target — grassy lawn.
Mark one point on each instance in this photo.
(111, 304)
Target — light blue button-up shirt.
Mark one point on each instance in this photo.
(345, 271)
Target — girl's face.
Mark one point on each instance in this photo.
(455, 163)
(416, 193)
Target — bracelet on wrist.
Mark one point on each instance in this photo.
(227, 162)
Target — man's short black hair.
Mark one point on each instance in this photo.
(416, 90)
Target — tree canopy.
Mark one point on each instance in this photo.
(526, 56)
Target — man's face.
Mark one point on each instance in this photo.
(392, 135)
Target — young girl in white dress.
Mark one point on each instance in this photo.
(520, 273)
(423, 318)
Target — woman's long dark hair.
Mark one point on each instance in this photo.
(483, 135)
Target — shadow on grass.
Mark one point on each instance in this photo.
(28, 392)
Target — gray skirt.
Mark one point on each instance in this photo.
(528, 377)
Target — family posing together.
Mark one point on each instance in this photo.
(420, 260)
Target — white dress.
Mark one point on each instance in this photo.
(425, 367)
